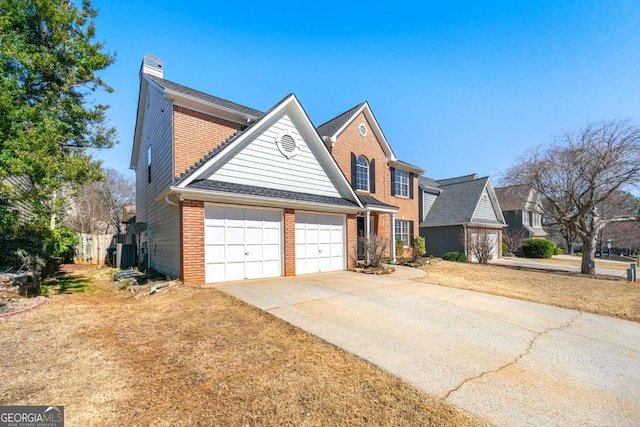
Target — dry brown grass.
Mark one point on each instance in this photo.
(610, 297)
(577, 261)
(189, 356)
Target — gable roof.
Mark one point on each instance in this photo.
(334, 127)
(199, 170)
(514, 197)
(457, 200)
(172, 87)
(331, 127)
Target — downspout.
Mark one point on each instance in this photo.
(166, 199)
(464, 243)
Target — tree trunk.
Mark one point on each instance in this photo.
(588, 254)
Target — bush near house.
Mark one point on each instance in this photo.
(419, 247)
(505, 249)
(399, 248)
(557, 250)
(538, 248)
(455, 256)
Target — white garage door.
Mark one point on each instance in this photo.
(319, 243)
(242, 243)
(494, 245)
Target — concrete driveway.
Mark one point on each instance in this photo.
(507, 361)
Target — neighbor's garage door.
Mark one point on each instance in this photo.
(242, 243)
(494, 245)
(319, 243)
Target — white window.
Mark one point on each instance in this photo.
(402, 183)
(525, 217)
(362, 174)
(537, 220)
(402, 232)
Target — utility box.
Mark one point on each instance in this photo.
(125, 255)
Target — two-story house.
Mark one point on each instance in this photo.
(522, 210)
(228, 192)
(386, 186)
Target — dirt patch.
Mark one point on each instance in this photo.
(607, 296)
(192, 356)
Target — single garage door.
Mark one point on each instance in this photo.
(319, 243)
(494, 245)
(242, 243)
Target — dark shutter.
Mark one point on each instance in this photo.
(411, 186)
(410, 233)
(393, 181)
(372, 176)
(353, 171)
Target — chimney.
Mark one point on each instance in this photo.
(151, 66)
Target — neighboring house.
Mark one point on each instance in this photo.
(387, 187)
(227, 192)
(520, 206)
(455, 212)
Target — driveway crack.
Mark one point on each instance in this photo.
(517, 358)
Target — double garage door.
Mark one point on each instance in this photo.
(243, 243)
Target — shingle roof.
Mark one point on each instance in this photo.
(372, 201)
(457, 202)
(513, 198)
(227, 187)
(169, 85)
(408, 165)
(428, 183)
(332, 126)
(457, 179)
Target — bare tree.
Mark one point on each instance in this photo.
(97, 206)
(513, 239)
(578, 173)
(374, 249)
(482, 246)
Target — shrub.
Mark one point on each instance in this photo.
(455, 256)
(538, 248)
(374, 249)
(505, 249)
(419, 248)
(399, 248)
(62, 244)
(557, 250)
(22, 251)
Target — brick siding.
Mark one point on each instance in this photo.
(289, 242)
(195, 134)
(369, 146)
(192, 242)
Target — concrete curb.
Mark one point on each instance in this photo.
(39, 301)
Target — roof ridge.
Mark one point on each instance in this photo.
(339, 118)
(220, 101)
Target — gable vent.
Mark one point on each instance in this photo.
(287, 144)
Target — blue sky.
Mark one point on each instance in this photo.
(457, 87)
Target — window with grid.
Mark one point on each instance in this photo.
(402, 232)
(362, 174)
(401, 183)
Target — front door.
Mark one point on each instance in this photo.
(361, 242)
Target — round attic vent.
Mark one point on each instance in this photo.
(362, 129)
(287, 145)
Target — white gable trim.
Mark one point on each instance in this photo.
(488, 187)
(294, 108)
(377, 130)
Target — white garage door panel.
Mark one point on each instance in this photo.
(242, 243)
(493, 242)
(319, 243)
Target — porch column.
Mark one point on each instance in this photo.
(393, 237)
(367, 234)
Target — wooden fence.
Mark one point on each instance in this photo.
(92, 248)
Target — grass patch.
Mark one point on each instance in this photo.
(610, 296)
(190, 356)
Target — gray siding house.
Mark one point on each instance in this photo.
(453, 212)
(520, 206)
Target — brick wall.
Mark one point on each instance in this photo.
(195, 134)
(352, 241)
(369, 146)
(192, 242)
(289, 242)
